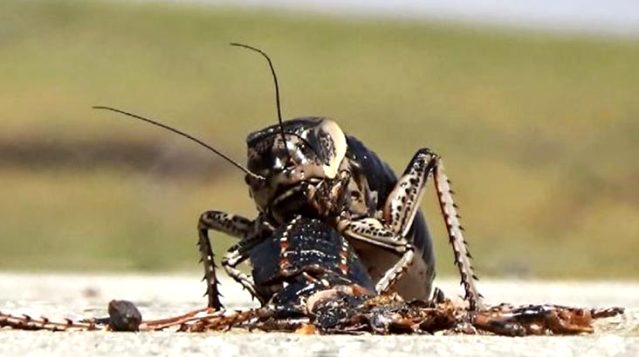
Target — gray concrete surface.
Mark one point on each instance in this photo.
(76, 296)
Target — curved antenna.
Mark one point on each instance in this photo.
(277, 87)
(153, 122)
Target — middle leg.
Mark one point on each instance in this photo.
(234, 226)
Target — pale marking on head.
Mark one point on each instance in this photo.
(339, 145)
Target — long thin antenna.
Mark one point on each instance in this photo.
(277, 87)
(233, 162)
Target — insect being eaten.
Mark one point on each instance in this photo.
(312, 281)
(308, 166)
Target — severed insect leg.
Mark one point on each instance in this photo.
(123, 316)
(233, 225)
(456, 237)
(195, 315)
(225, 320)
(508, 320)
(26, 322)
(206, 319)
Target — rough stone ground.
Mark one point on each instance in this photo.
(59, 295)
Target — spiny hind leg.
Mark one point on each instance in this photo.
(456, 237)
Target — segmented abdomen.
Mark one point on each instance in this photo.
(304, 256)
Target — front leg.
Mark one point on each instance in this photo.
(390, 231)
(233, 225)
(398, 214)
(403, 203)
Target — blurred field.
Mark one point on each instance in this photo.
(539, 134)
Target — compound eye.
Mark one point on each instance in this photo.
(298, 155)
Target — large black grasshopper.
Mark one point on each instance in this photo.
(308, 166)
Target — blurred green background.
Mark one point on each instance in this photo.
(539, 133)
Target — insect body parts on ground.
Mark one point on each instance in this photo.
(310, 280)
